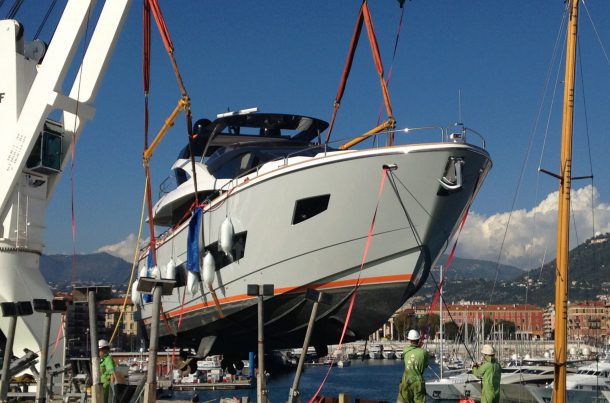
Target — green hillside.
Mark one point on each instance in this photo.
(589, 276)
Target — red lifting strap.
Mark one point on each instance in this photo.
(153, 5)
(370, 30)
(156, 10)
(364, 15)
(348, 66)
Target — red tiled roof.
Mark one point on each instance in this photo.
(116, 301)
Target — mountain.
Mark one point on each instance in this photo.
(589, 271)
(462, 269)
(588, 275)
(96, 268)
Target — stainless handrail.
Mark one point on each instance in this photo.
(324, 147)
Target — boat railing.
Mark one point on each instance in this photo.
(456, 133)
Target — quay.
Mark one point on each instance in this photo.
(243, 384)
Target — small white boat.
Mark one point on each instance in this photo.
(388, 352)
(375, 352)
(399, 353)
(344, 362)
(350, 352)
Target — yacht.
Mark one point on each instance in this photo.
(512, 385)
(350, 352)
(591, 383)
(375, 352)
(264, 200)
(387, 352)
(399, 353)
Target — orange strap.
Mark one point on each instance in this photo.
(346, 70)
(364, 15)
(167, 41)
(370, 30)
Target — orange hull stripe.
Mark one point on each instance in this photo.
(279, 291)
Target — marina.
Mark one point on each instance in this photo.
(293, 251)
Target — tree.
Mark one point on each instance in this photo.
(403, 322)
(507, 327)
(450, 331)
(429, 323)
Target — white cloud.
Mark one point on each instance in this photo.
(123, 249)
(532, 233)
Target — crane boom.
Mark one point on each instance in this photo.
(32, 147)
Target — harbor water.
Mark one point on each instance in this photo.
(368, 379)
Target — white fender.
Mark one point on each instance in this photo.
(135, 294)
(155, 272)
(226, 237)
(192, 283)
(170, 270)
(143, 272)
(209, 269)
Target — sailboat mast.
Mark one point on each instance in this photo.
(561, 279)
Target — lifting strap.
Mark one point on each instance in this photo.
(152, 6)
(364, 15)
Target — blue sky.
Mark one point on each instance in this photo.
(288, 57)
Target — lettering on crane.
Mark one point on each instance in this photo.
(1, 96)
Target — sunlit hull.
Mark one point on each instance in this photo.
(416, 216)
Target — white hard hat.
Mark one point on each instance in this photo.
(488, 350)
(413, 335)
(102, 344)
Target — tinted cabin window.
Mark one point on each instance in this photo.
(304, 209)
(234, 167)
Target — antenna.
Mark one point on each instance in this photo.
(460, 105)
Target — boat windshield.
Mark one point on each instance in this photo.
(230, 162)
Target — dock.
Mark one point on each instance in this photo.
(190, 386)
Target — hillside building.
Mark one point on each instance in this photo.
(587, 321)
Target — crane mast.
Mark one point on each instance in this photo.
(33, 147)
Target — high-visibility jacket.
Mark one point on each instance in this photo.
(490, 373)
(106, 369)
(413, 387)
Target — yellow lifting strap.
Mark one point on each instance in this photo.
(183, 105)
(387, 125)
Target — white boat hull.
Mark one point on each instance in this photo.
(415, 219)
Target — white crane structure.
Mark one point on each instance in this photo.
(33, 148)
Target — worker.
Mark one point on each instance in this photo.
(106, 367)
(412, 387)
(490, 373)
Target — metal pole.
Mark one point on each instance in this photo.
(97, 392)
(294, 390)
(10, 337)
(41, 393)
(260, 379)
(150, 391)
(441, 320)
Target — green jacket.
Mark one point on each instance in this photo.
(416, 362)
(490, 373)
(106, 369)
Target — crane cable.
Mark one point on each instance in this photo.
(364, 16)
(45, 18)
(12, 12)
